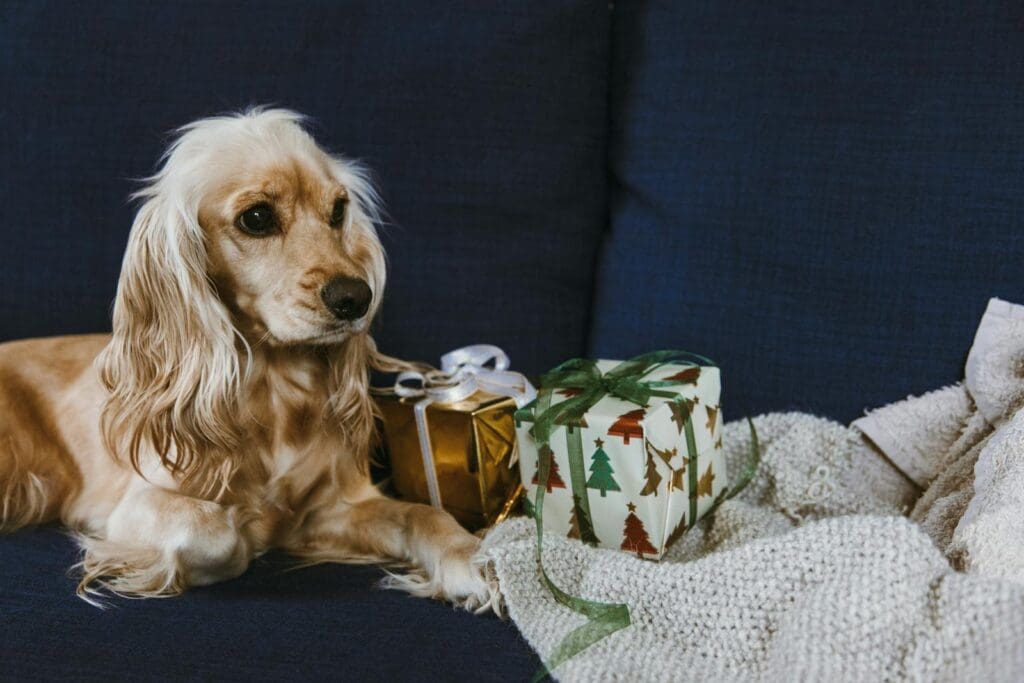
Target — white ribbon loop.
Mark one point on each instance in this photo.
(477, 356)
(463, 371)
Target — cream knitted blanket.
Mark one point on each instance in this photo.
(832, 564)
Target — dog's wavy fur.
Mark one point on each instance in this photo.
(229, 411)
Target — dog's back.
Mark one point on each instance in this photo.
(38, 474)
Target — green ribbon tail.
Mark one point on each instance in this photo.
(583, 637)
(749, 470)
(752, 464)
(603, 618)
(578, 481)
(691, 469)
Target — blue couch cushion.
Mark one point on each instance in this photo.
(322, 623)
(820, 196)
(485, 123)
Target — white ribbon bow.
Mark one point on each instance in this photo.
(463, 371)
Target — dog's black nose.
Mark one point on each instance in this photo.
(346, 297)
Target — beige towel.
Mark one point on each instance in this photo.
(964, 446)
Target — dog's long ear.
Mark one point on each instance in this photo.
(172, 367)
(350, 403)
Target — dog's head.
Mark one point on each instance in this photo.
(283, 231)
(249, 235)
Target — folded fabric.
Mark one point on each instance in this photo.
(963, 444)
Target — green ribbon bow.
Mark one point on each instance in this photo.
(623, 381)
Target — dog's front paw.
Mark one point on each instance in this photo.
(463, 576)
(487, 595)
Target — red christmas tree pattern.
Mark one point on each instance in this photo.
(686, 376)
(636, 539)
(554, 480)
(628, 425)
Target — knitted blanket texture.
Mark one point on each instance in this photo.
(889, 550)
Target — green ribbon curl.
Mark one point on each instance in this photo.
(603, 619)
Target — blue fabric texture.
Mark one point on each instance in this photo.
(484, 122)
(819, 196)
(274, 623)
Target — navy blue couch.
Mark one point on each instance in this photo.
(819, 195)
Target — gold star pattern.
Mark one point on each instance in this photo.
(706, 484)
(598, 443)
(632, 508)
(712, 417)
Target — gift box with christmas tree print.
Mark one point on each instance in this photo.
(634, 449)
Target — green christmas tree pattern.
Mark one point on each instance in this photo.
(601, 471)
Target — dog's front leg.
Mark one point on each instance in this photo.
(443, 557)
(157, 542)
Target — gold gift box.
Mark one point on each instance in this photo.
(473, 441)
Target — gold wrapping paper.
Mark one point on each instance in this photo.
(473, 441)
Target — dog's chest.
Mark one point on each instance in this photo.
(287, 405)
(290, 475)
(288, 428)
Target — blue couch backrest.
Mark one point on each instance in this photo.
(821, 196)
(485, 123)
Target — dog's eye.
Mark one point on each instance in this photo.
(257, 220)
(338, 212)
